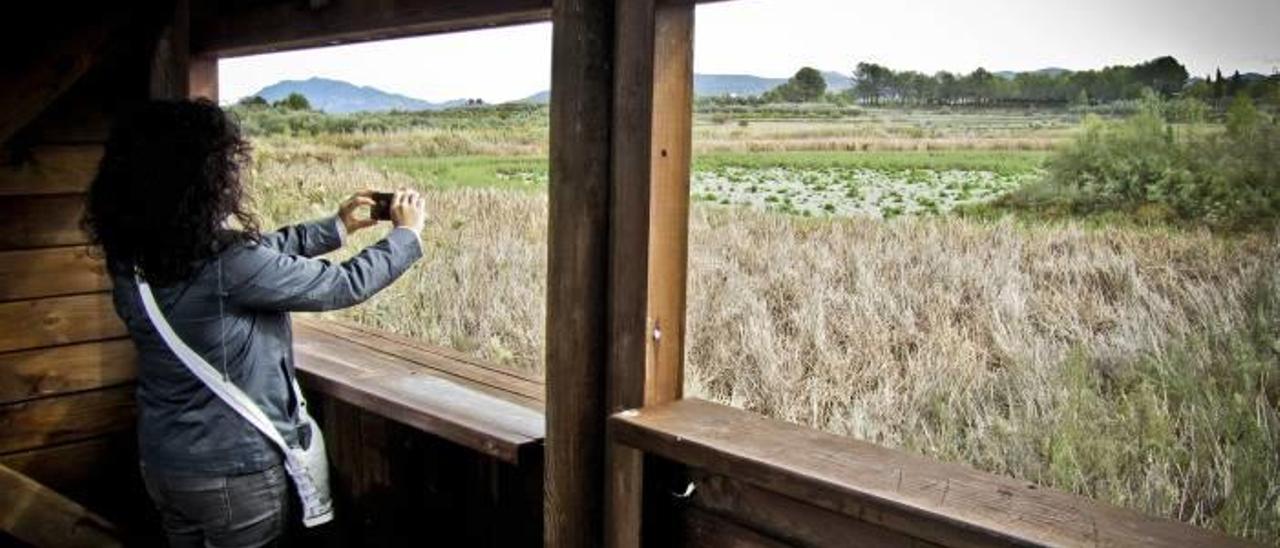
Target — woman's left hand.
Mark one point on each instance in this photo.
(347, 211)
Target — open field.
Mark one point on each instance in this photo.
(1137, 365)
(806, 183)
(883, 130)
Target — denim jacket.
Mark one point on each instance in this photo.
(235, 313)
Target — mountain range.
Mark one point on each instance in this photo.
(336, 96)
(712, 85)
(339, 97)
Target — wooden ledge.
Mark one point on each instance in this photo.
(485, 408)
(944, 503)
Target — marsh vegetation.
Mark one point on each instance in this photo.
(1073, 303)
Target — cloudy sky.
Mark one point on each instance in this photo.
(776, 37)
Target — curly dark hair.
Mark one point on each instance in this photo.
(170, 179)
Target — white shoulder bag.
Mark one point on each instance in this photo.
(308, 466)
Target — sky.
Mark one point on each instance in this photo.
(777, 37)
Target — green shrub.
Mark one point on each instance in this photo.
(1228, 178)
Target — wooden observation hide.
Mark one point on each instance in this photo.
(429, 446)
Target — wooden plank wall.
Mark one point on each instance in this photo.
(395, 485)
(66, 367)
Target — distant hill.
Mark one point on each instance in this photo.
(837, 81)
(539, 98)
(711, 85)
(338, 97)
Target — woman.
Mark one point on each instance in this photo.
(169, 204)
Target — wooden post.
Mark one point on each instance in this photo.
(652, 147)
(577, 270)
(621, 121)
(171, 60)
(175, 72)
(202, 78)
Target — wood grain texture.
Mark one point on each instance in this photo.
(670, 154)
(42, 221)
(391, 480)
(577, 270)
(706, 530)
(171, 58)
(53, 66)
(254, 28)
(58, 370)
(444, 360)
(71, 467)
(630, 230)
(50, 169)
(943, 503)
(84, 114)
(653, 102)
(504, 425)
(796, 522)
(40, 516)
(48, 421)
(58, 320)
(202, 78)
(48, 272)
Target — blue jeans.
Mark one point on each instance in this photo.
(221, 511)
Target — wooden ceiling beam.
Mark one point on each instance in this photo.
(231, 29)
(226, 31)
(34, 84)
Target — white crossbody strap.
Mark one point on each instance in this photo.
(223, 388)
(307, 466)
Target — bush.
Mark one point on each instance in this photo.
(1227, 178)
(258, 119)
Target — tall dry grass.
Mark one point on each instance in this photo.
(1139, 367)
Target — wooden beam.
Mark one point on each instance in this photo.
(73, 467)
(50, 169)
(435, 357)
(652, 146)
(708, 530)
(60, 370)
(39, 516)
(51, 70)
(51, 271)
(62, 419)
(577, 268)
(42, 221)
(468, 405)
(937, 502)
(797, 522)
(58, 320)
(171, 59)
(262, 27)
(670, 153)
(202, 79)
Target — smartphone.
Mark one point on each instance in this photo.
(381, 208)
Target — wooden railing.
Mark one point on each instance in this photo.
(425, 443)
(758, 481)
(423, 437)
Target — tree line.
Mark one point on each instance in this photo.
(879, 85)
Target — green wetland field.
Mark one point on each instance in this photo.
(1085, 302)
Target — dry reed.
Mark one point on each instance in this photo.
(1085, 359)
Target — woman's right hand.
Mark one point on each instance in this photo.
(408, 210)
